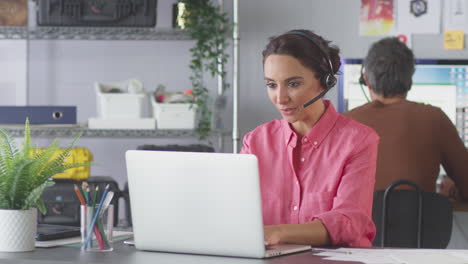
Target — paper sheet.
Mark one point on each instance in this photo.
(454, 39)
(419, 17)
(456, 15)
(395, 256)
(75, 240)
(376, 17)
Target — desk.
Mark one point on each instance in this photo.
(460, 206)
(128, 254)
(459, 238)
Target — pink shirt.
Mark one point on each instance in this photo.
(330, 177)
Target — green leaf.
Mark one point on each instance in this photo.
(41, 206)
(19, 182)
(27, 139)
(34, 197)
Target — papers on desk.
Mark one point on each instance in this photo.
(117, 235)
(395, 256)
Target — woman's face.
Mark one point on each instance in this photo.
(290, 85)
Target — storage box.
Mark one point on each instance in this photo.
(128, 13)
(118, 105)
(174, 116)
(38, 114)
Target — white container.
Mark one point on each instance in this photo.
(122, 123)
(118, 105)
(173, 116)
(17, 230)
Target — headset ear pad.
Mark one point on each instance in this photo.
(361, 77)
(361, 80)
(328, 80)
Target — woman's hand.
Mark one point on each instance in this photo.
(448, 188)
(272, 235)
(311, 233)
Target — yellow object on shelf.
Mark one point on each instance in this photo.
(77, 155)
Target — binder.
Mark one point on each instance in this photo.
(38, 114)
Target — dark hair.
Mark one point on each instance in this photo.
(389, 66)
(308, 54)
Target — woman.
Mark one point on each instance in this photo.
(317, 167)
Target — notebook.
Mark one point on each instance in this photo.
(50, 232)
(200, 203)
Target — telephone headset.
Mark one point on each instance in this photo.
(328, 80)
(362, 82)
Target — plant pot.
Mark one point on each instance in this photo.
(17, 230)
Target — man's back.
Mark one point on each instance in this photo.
(414, 139)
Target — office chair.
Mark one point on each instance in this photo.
(411, 218)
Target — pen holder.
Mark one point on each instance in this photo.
(96, 228)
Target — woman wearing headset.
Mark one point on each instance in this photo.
(317, 167)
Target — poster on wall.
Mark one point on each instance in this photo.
(455, 15)
(14, 13)
(376, 18)
(419, 16)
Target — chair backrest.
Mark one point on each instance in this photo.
(401, 223)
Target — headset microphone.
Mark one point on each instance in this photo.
(328, 80)
(322, 94)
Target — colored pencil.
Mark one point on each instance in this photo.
(84, 185)
(93, 223)
(78, 194)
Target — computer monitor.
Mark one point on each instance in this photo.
(441, 83)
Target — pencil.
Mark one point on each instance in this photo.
(88, 194)
(84, 185)
(93, 204)
(100, 235)
(78, 193)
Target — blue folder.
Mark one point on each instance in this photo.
(38, 114)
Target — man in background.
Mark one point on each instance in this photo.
(415, 138)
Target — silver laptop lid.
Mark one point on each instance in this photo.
(203, 203)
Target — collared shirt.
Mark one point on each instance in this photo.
(328, 176)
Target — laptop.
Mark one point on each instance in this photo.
(199, 203)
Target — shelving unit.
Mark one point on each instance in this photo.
(92, 33)
(33, 32)
(72, 131)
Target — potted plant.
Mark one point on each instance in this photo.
(208, 25)
(24, 174)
